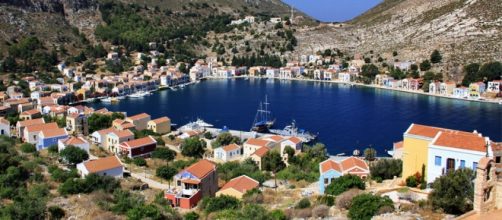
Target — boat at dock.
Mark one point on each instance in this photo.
(263, 119)
(199, 124)
(110, 100)
(139, 94)
(293, 130)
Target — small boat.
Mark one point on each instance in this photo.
(199, 124)
(110, 100)
(139, 94)
(292, 130)
(263, 119)
(120, 97)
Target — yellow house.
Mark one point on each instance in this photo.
(416, 142)
(160, 125)
(238, 186)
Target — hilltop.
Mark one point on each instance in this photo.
(463, 30)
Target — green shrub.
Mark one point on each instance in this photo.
(164, 153)
(219, 203)
(344, 183)
(56, 212)
(191, 216)
(139, 161)
(453, 192)
(91, 183)
(28, 148)
(278, 215)
(411, 181)
(303, 203)
(386, 169)
(365, 206)
(74, 155)
(327, 200)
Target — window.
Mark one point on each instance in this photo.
(462, 164)
(326, 180)
(437, 161)
(497, 159)
(474, 165)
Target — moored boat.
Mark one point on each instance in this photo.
(293, 130)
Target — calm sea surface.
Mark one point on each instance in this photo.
(346, 118)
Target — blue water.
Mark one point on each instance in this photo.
(346, 118)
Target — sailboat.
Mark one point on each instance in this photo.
(263, 119)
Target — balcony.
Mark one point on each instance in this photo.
(184, 198)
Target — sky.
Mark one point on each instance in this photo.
(333, 10)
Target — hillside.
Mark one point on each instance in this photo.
(463, 30)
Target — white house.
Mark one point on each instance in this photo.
(31, 133)
(79, 142)
(329, 75)
(449, 151)
(461, 92)
(434, 87)
(4, 127)
(107, 166)
(253, 144)
(227, 153)
(293, 142)
(275, 20)
(319, 74)
(285, 73)
(494, 86)
(344, 77)
(272, 73)
(99, 137)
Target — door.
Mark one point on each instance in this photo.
(450, 164)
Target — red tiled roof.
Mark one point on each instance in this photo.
(276, 138)
(31, 112)
(102, 164)
(461, 140)
(4, 121)
(74, 141)
(351, 165)
(139, 116)
(429, 131)
(40, 127)
(54, 132)
(398, 145)
(257, 142)
(140, 142)
(330, 165)
(352, 162)
(31, 122)
(261, 152)
(242, 184)
(295, 140)
(122, 133)
(161, 120)
(231, 147)
(201, 169)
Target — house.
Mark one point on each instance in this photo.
(120, 124)
(276, 20)
(449, 151)
(293, 142)
(446, 88)
(30, 114)
(20, 125)
(191, 184)
(160, 125)
(319, 74)
(461, 92)
(434, 87)
(140, 147)
(329, 75)
(4, 127)
(31, 133)
(253, 144)
(494, 86)
(476, 89)
(50, 137)
(397, 150)
(99, 137)
(286, 73)
(238, 186)
(258, 155)
(344, 77)
(272, 73)
(420, 140)
(79, 142)
(228, 153)
(410, 84)
(140, 121)
(106, 166)
(115, 137)
(333, 168)
(77, 124)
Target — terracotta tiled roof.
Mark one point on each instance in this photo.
(106, 131)
(54, 132)
(330, 165)
(496, 146)
(461, 140)
(4, 121)
(352, 162)
(261, 152)
(424, 130)
(398, 145)
(31, 122)
(201, 169)
(74, 141)
(242, 184)
(139, 142)
(231, 147)
(102, 164)
(295, 140)
(122, 133)
(257, 142)
(276, 138)
(161, 120)
(139, 116)
(31, 112)
(40, 127)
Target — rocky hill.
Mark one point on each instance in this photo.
(463, 30)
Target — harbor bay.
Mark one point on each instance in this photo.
(345, 117)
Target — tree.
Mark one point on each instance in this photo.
(303, 203)
(386, 169)
(394, 53)
(191, 216)
(344, 183)
(369, 71)
(139, 161)
(453, 192)
(193, 147)
(56, 212)
(144, 212)
(425, 65)
(471, 73)
(367, 60)
(164, 153)
(166, 173)
(289, 151)
(73, 155)
(28, 148)
(490, 71)
(272, 161)
(214, 204)
(436, 57)
(370, 154)
(182, 68)
(365, 206)
(224, 139)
